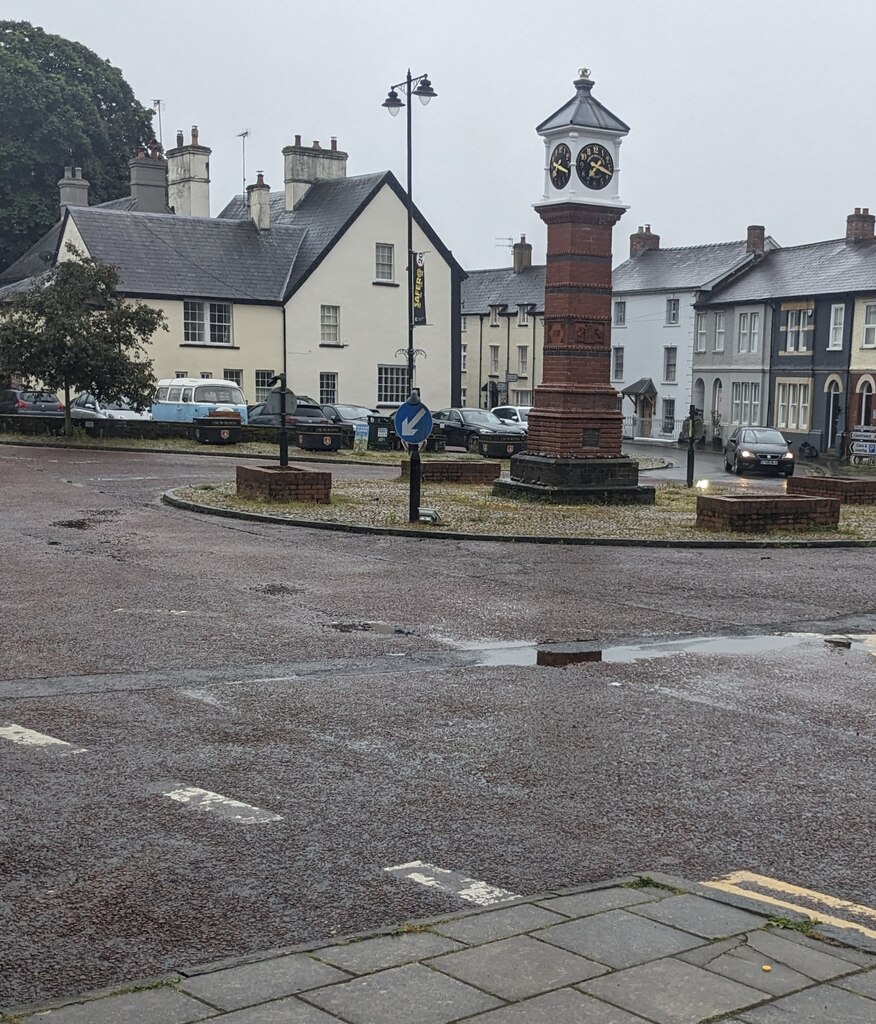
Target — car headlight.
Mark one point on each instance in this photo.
(485, 430)
(788, 455)
(746, 454)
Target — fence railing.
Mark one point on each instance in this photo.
(658, 427)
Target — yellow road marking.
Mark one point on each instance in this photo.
(751, 885)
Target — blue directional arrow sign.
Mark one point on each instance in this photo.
(413, 422)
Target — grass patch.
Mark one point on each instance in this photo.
(646, 882)
(805, 927)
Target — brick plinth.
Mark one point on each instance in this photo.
(284, 483)
(595, 481)
(760, 515)
(451, 472)
(850, 490)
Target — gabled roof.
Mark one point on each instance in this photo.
(819, 268)
(485, 288)
(326, 211)
(643, 386)
(193, 257)
(583, 111)
(681, 269)
(39, 257)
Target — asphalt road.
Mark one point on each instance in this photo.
(336, 686)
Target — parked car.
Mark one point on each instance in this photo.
(88, 407)
(758, 448)
(307, 411)
(348, 413)
(513, 413)
(464, 428)
(185, 399)
(24, 402)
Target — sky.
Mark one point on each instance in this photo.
(743, 112)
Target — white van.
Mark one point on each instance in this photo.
(184, 399)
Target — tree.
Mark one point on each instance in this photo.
(71, 330)
(60, 105)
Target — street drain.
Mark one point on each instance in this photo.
(385, 628)
(556, 655)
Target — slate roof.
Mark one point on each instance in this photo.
(485, 288)
(38, 258)
(193, 257)
(680, 269)
(819, 268)
(584, 111)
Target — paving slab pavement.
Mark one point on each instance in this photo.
(648, 949)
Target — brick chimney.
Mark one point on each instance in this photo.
(73, 188)
(149, 179)
(643, 241)
(188, 177)
(522, 255)
(259, 199)
(859, 225)
(755, 239)
(305, 165)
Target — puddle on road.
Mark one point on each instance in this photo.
(581, 651)
(384, 628)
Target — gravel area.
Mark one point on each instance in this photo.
(475, 510)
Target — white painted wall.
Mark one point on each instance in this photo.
(373, 317)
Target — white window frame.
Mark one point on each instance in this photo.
(207, 323)
(667, 422)
(720, 331)
(494, 360)
(234, 377)
(754, 336)
(494, 317)
(793, 405)
(523, 315)
(329, 325)
(617, 362)
(262, 387)
(837, 322)
(745, 403)
(796, 332)
(393, 385)
(463, 358)
(384, 266)
(701, 333)
(523, 360)
(465, 323)
(673, 365)
(620, 313)
(868, 338)
(328, 387)
(193, 322)
(672, 312)
(742, 333)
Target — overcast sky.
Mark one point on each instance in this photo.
(746, 112)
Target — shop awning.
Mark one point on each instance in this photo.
(643, 386)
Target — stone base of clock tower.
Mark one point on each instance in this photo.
(575, 481)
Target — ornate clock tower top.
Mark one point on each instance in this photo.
(582, 147)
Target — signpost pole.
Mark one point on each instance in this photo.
(416, 477)
(690, 446)
(280, 379)
(413, 424)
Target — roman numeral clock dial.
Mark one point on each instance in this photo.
(595, 166)
(561, 166)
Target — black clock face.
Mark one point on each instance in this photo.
(561, 166)
(595, 166)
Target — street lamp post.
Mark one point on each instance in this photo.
(421, 87)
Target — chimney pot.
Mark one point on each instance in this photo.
(857, 209)
(297, 140)
(316, 143)
(866, 211)
(334, 143)
(194, 135)
(180, 139)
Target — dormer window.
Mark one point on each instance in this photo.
(494, 316)
(523, 316)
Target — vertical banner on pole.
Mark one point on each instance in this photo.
(418, 296)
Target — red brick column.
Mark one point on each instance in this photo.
(575, 411)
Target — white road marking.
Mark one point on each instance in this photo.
(153, 611)
(469, 889)
(266, 679)
(204, 697)
(30, 738)
(236, 810)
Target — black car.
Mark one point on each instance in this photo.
(306, 411)
(348, 413)
(759, 448)
(465, 428)
(24, 402)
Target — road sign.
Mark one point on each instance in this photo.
(413, 422)
(863, 447)
(865, 434)
(510, 378)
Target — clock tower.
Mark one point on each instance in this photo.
(574, 445)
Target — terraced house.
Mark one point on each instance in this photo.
(310, 279)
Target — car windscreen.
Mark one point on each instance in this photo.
(311, 411)
(763, 437)
(481, 416)
(353, 412)
(219, 393)
(524, 415)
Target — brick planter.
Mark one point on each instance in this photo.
(284, 483)
(760, 515)
(450, 472)
(850, 490)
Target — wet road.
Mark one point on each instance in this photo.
(176, 655)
